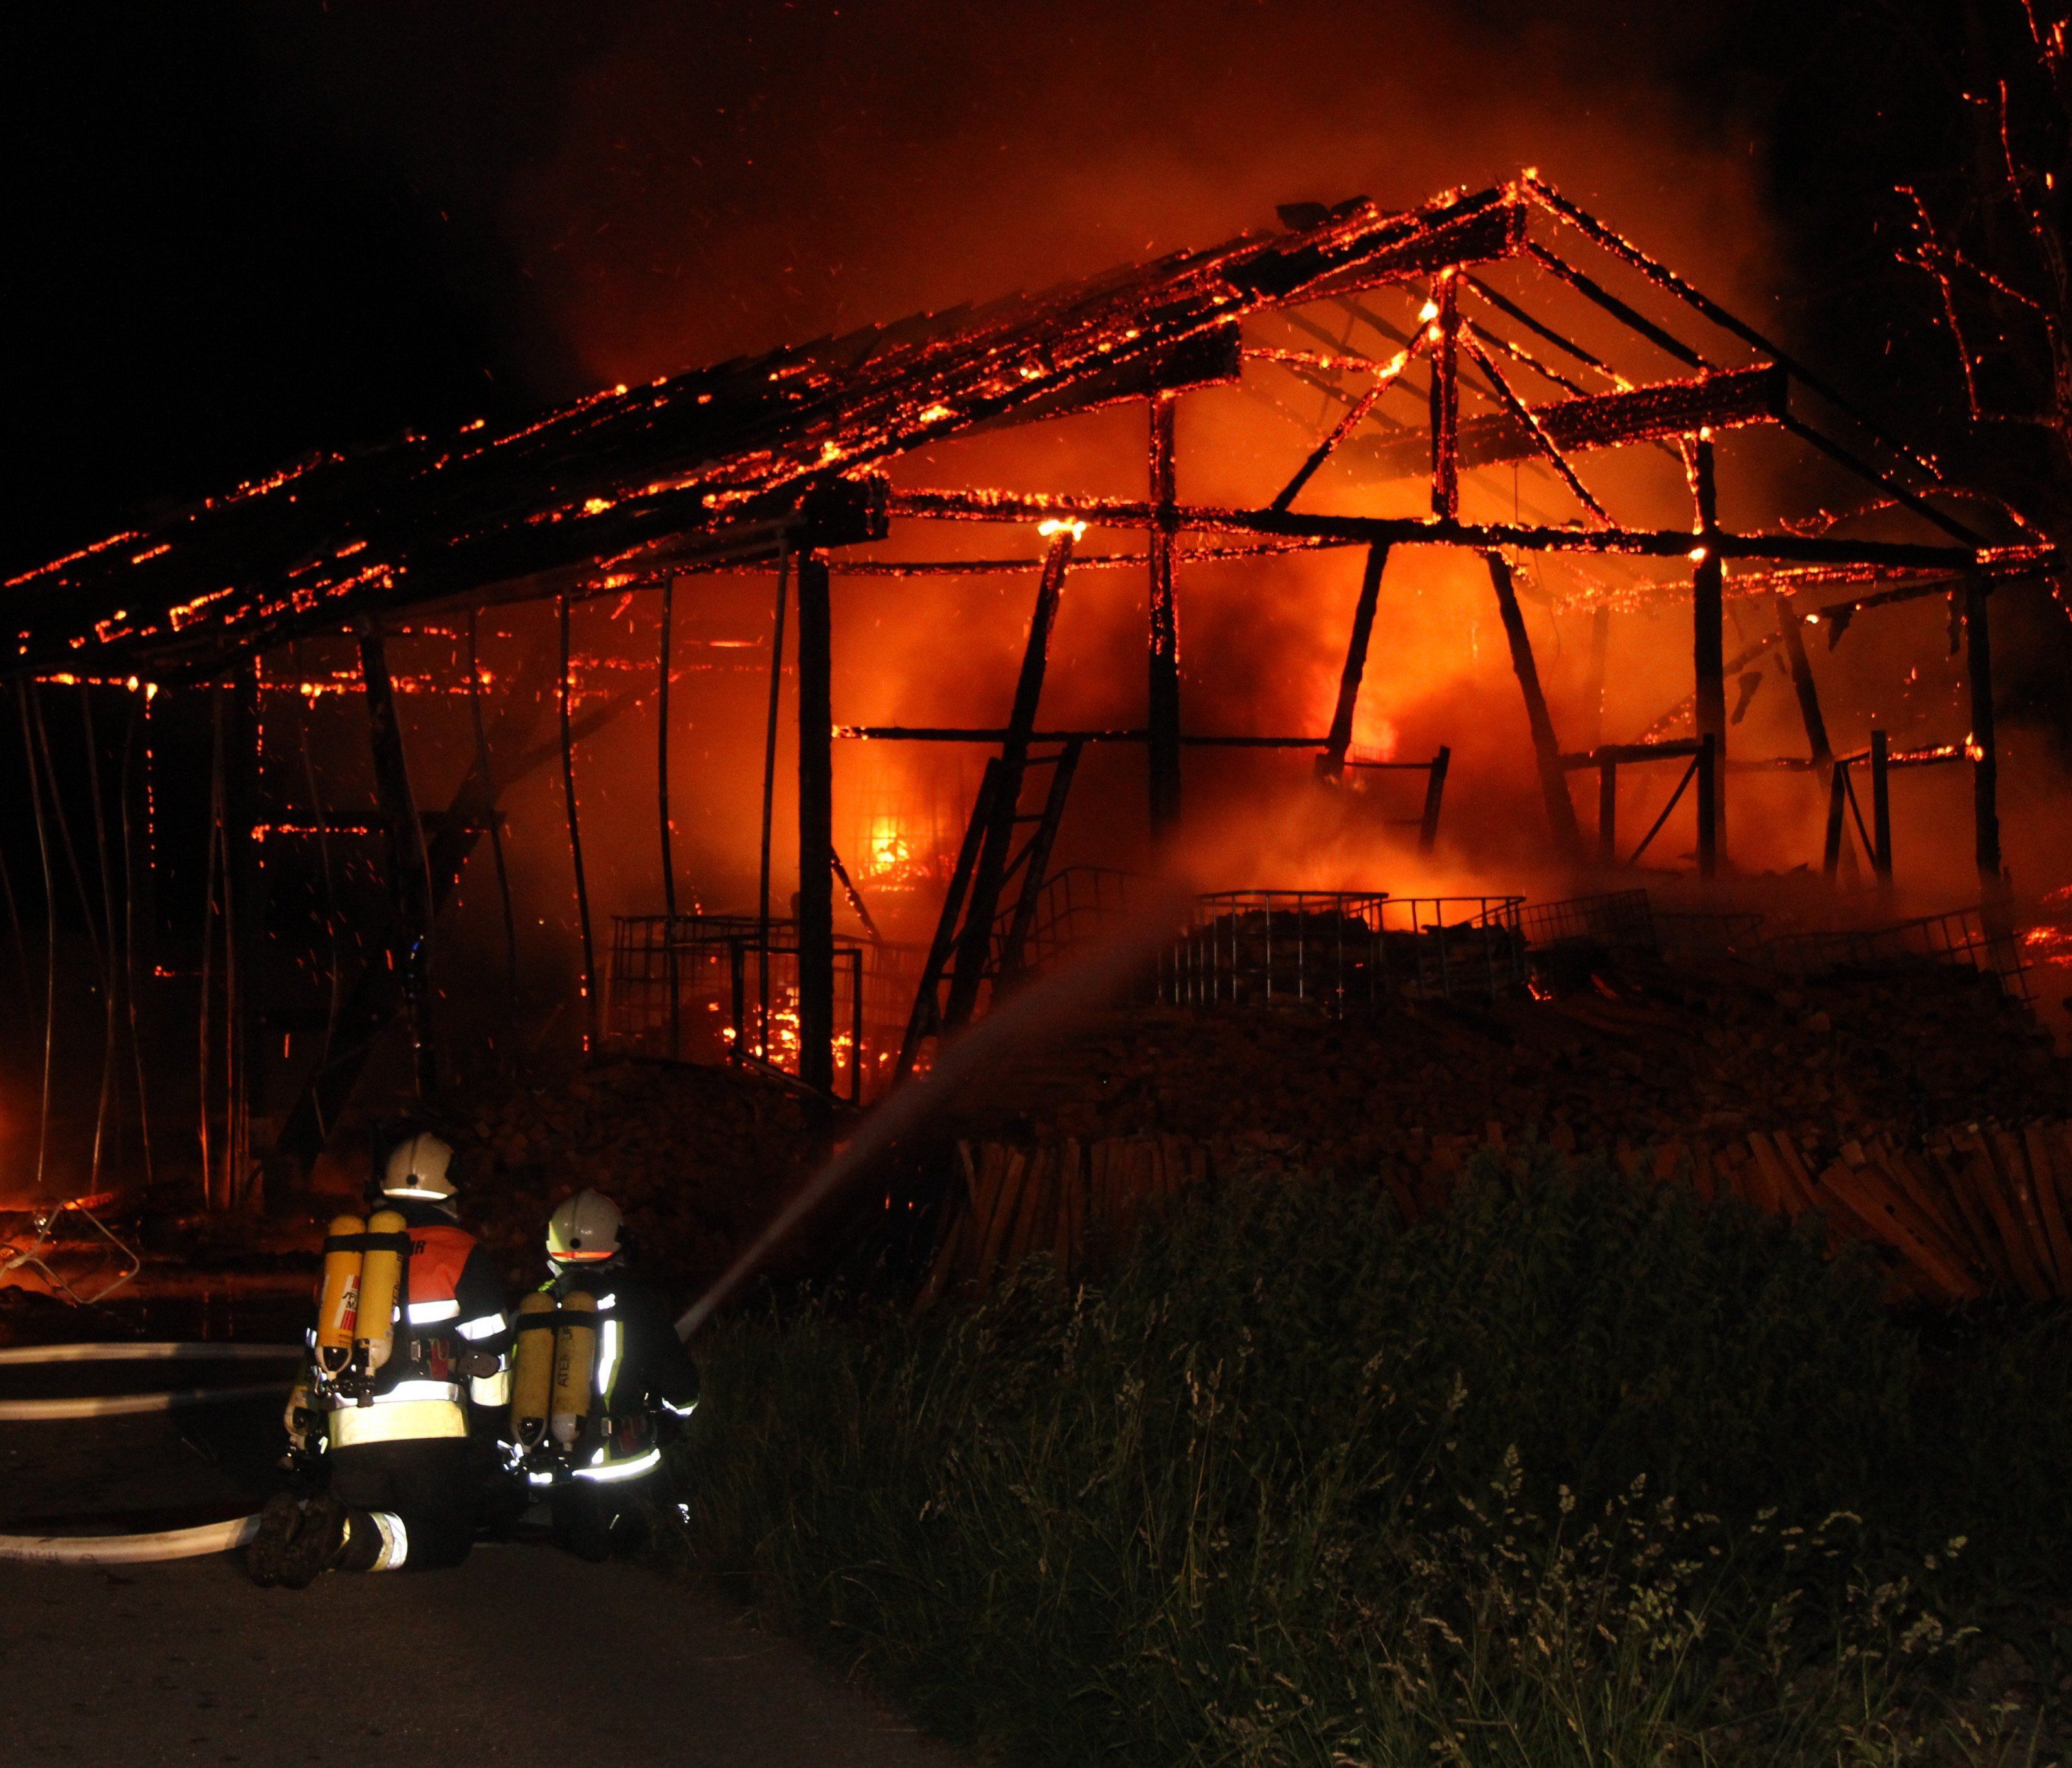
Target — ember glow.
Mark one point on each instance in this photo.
(1410, 499)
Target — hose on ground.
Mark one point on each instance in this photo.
(165, 1543)
(148, 1350)
(118, 1405)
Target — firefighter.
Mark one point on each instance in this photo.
(606, 1478)
(386, 1436)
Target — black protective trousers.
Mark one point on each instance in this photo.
(427, 1481)
(594, 1518)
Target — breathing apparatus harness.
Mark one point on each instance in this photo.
(565, 1355)
(365, 1339)
(356, 1289)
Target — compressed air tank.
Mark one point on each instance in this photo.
(338, 1297)
(575, 1351)
(532, 1373)
(380, 1276)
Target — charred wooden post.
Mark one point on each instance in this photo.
(244, 974)
(112, 990)
(855, 896)
(816, 841)
(409, 869)
(769, 808)
(1708, 805)
(1838, 799)
(662, 797)
(1163, 714)
(1593, 683)
(1546, 751)
(1789, 630)
(215, 906)
(1434, 796)
(1446, 400)
(1607, 812)
(1708, 625)
(564, 688)
(975, 944)
(139, 912)
(1881, 805)
(25, 691)
(494, 825)
(1985, 764)
(1331, 764)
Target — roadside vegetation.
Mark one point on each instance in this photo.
(1579, 1473)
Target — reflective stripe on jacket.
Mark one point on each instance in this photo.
(395, 1419)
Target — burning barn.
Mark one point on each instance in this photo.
(780, 711)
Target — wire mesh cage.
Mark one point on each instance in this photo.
(1621, 919)
(1985, 941)
(1454, 948)
(714, 988)
(1341, 951)
(1073, 908)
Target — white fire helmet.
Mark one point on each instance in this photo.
(583, 1228)
(422, 1167)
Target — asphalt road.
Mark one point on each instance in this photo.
(524, 1655)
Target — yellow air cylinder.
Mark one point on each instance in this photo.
(380, 1276)
(575, 1349)
(338, 1300)
(532, 1374)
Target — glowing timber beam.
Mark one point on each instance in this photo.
(996, 506)
(1720, 400)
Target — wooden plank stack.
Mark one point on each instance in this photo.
(1077, 1203)
(1976, 1211)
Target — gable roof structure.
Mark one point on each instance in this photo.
(725, 463)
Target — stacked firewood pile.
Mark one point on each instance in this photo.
(1974, 1211)
(1643, 1055)
(1077, 1204)
(1832, 1093)
(699, 1158)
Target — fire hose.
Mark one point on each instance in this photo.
(168, 1543)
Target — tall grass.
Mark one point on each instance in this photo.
(1577, 1473)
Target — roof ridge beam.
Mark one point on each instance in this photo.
(1722, 399)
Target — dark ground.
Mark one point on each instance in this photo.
(524, 1655)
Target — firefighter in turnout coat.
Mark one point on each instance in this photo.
(603, 1473)
(386, 1432)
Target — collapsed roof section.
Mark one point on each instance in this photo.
(719, 464)
(698, 466)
